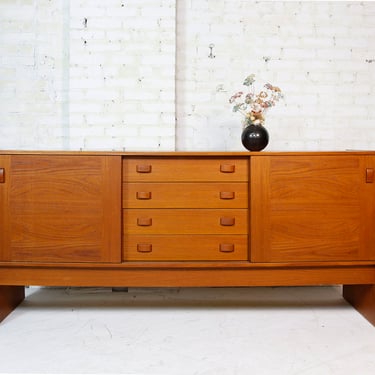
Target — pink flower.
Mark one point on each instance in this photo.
(254, 105)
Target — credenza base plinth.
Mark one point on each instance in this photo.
(10, 298)
(362, 298)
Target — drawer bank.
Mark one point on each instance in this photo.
(187, 219)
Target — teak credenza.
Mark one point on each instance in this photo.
(187, 219)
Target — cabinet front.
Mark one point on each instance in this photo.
(59, 208)
(185, 209)
(312, 208)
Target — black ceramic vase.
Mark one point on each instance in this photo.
(254, 137)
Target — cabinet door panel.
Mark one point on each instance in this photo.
(63, 209)
(311, 208)
(4, 212)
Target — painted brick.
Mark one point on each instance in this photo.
(310, 50)
(79, 82)
(121, 78)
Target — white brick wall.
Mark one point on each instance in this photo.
(30, 74)
(317, 52)
(121, 62)
(94, 74)
(87, 74)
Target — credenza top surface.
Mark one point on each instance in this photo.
(185, 153)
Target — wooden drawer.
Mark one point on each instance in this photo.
(185, 221)
(185, 195)
(190, 169)
(185, 248)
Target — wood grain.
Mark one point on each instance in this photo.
(189, 169)
(179, 276)
(311, 208)
(362, 298)
(10, 298)
(4, 209)
(184, 221)
(186, 195)
(179, 219)
(185, 248)
(63, 208)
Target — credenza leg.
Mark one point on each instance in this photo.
(10, 298)
(362, 297)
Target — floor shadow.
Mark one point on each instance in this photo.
(187, 298)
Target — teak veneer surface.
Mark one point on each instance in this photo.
(185, 195)
(61, 208)
(194, 248)
(86, 218)
(312, 208)
(186, 277)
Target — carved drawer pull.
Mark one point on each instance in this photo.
(369, 175)
(227, 221)
(226, 248)
(144, 247)
(144, 221)
(227, 195)
(144, 168)
(144, 195)
(227, 168)
(2, 175)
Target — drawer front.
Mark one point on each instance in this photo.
(185, 248)
(185, 221)
(185, 195)
(184, 169)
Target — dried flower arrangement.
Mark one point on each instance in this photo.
(253, 106)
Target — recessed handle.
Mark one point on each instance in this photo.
(226, 248)
(227, 221)
(144, 195)
(144, 221)
(227, 195)
(2, 175)
(144, 248)
(227, 168)
(143, 168)
(369, 175)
